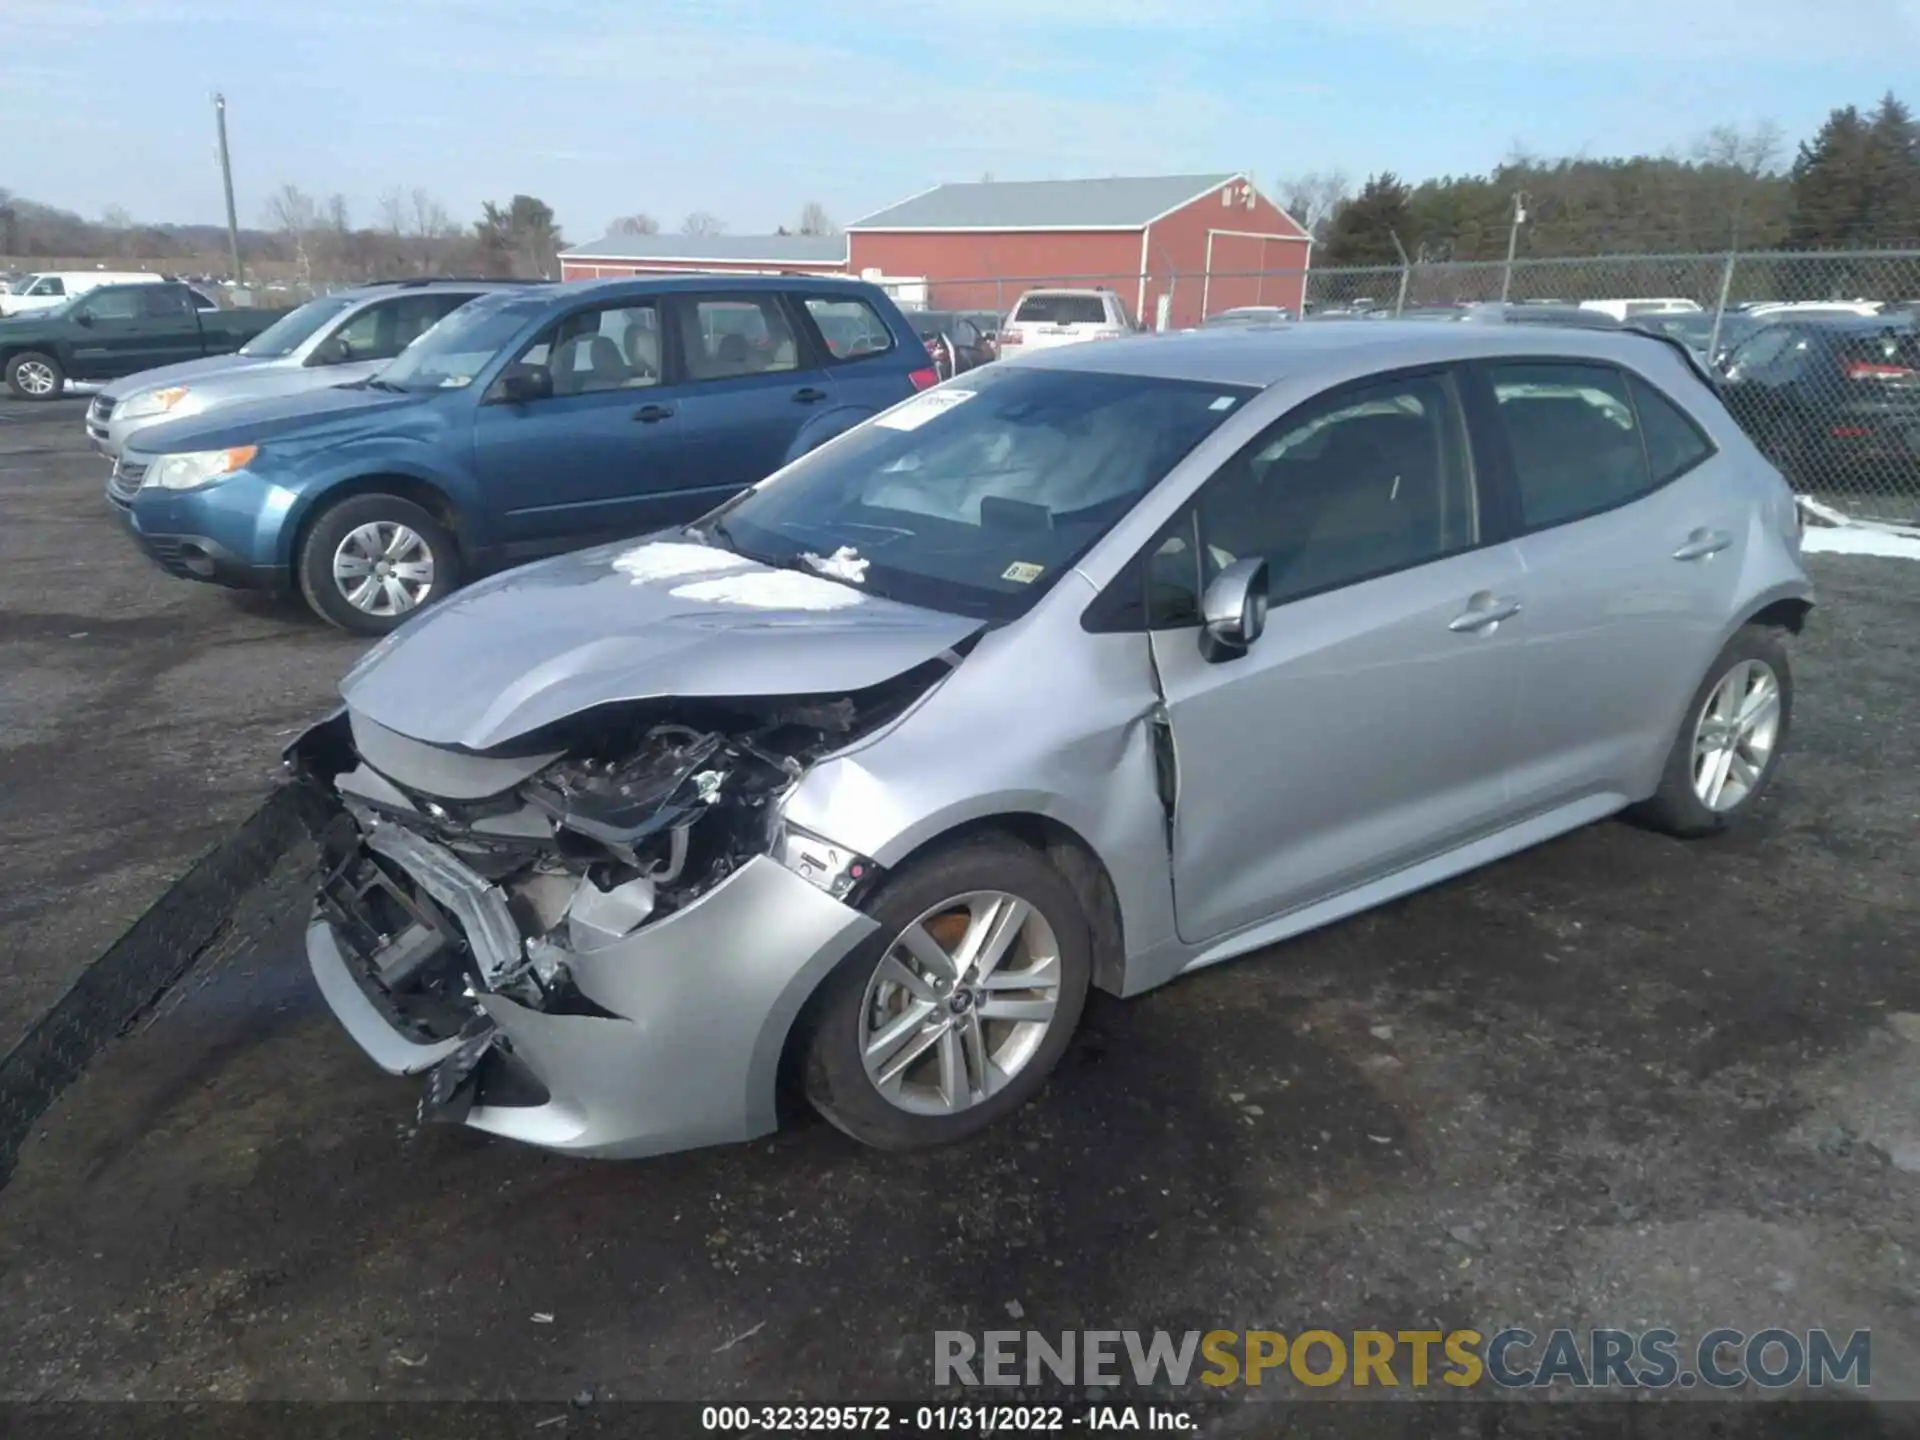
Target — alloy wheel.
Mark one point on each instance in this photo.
(960, 1002)
(1734, 738)
(383, 568)
(36, 377)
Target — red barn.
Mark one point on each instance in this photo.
(620, 255)
(1207, 242)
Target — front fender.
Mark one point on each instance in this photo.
(351, 465)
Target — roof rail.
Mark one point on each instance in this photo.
(416, 282)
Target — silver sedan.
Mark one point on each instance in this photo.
(1088, 669)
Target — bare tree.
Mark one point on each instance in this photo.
(1313, 197)
(814, 220)
(432, 229)
(292, 212)
(393, 211)
(702, 224)
(638, 223)
(1742, 160)
(1754, 152)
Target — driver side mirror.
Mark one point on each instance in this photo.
(83, 317)
(1233, 612)
(521, 383)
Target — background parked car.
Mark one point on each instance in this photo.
(335, 340)
(1695, 330)
(1045, 318)
(115, 330)
(45, 289)
(954, 341)
(1831, 399)
(527, 422)
(1248, 315)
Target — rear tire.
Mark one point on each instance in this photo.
(1730, 742)
(34, 376)
(966, 1031)
(340, 565)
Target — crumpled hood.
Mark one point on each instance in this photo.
(633, 621)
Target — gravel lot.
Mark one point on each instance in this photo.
(141, 716)
(1616, 1081)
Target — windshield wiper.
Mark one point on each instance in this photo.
(374, 382)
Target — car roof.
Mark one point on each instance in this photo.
(1264, 355)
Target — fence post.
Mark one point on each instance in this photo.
(1720, 305)
(1406, 274)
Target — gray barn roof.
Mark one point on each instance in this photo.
(1116, 204)
(733, 249)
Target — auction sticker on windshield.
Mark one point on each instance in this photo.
(922, 408)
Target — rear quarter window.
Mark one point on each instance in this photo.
(1674, 443)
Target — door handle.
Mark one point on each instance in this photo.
(806, 395)
(1703, 543)
(653, 414)
(1483, 612)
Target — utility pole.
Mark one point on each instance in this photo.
(1513, 242)
(226, 180)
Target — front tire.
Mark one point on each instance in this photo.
(34, 376)
(952, 1015)
(1729, 745)
(371, 562)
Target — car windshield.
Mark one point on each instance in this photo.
(976, 496)
(449, 355)
(296, 327)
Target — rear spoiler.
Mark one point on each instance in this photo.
(1680, 348)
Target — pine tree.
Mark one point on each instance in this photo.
(1363, 228)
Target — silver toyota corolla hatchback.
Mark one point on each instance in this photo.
(1089, 669)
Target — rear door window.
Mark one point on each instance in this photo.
(1062, 310)
(724, 337)
(164, 302)
(850, 328)
(1573, 438)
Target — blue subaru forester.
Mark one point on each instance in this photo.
(522, 424)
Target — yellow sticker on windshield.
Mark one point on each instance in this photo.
(1022, 572)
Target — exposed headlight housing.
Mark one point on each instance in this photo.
(196, 468)
(153, 402)
(834, 868)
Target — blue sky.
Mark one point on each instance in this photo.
(747, 108)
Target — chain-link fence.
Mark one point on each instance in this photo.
(1817, 354)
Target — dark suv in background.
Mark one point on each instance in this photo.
(527, 422)
(1831, 398)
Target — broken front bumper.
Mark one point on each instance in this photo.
(696, 1009)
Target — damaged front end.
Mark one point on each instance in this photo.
(597, 939)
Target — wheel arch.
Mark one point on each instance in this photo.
(1063, 847)
(422, 492)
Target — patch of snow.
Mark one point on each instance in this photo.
(771, 590)
(843, 564)
(1859, 540)
(668, 560)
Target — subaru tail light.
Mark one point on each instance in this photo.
(924, 378)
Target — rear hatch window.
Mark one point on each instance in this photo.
(1062, 310)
